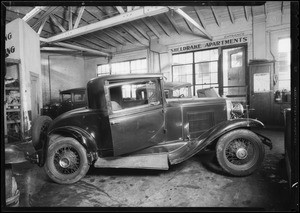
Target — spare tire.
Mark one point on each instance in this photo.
(39, 131)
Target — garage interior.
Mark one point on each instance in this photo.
(244, 51)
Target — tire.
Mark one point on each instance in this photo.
(39, 130)
(240, 152)
(66, 161)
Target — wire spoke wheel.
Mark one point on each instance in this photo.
(66, 161)
(240, 152)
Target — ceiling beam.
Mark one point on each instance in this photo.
(246, 13)
(230, 15)
(215, 16)
(110, 22)
(42, 25)
(167, 32)
(136, 36)
(45, 15)
(192, 21)
(120, 9)
(200, 17)
(79, 17)
(71, 46)
(173, 23)
(265, 10)
(70, 18)
(150, 26)
(33, 13)
(129, 8)
(57, 23)
(139, 29)
(56, 49)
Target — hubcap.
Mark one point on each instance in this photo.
(64, 162)
(67, 160)
(241, 153)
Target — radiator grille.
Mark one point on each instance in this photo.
(199, 122)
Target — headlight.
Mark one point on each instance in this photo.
(238, 109)
(229, 108)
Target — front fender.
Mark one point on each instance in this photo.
(194, 146)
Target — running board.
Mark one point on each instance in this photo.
(157, 161)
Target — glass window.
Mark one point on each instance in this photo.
(183, 73)
(66, 97)
(184, 58)
(103, 69)
(284, 62)
(138, 66)
(135, 94)
(236, 60)
(78, 97)
(206, 55)
(120, 68)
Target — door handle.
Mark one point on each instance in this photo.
(114, 123)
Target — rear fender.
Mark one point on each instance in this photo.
(83, 137)
(194, 146)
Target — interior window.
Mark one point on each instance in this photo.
(66, 97)
(79, 97)
(134, 94)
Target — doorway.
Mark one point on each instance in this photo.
(234, 74)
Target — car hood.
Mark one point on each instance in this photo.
(195, 100)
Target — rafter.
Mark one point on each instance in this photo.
(126, 38)
(45, 15)
(167, 32)
(110, 22)
(265, 10)
(120, 9)
(246, 13)
(71, 46)
(42, 25)
(139, 29)
(192, 21)
(57, 23)
(113, 37)
(230, 15)
(79, 17)
(173, 23)
(134, 35)
(103, 40)
(215, 16)
(33, 13)
(129, 8)
(70, 18)
(150, 26)
(200, 17)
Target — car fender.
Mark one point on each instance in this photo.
(195, 145)
(83, 137)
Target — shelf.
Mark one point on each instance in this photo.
(13, 110)
(12, 88)
(13, 122)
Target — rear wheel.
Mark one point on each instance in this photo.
(66, 161)
(240, 152)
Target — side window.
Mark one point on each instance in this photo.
(78, 97)
(134, 94)
(66, 97)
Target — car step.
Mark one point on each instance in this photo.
(157, 161)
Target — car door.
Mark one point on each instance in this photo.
(136, 121)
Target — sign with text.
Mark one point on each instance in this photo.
(210, 44)
(12, 43)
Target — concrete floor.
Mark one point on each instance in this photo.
(194, 183)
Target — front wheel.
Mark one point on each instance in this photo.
(240, 152)
(66, 160)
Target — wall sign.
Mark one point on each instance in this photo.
(12, 40)
(210, 44)
(9, 49)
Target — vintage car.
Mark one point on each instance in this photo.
(120, 129)
(68, 100)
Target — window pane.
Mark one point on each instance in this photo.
(207, 55)
(103, 69)
(236, 60)
(120, 68)
(284, 61)
(185, 58)
(183, 73)
(138, 66)
(206, 73)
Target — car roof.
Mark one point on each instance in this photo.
(174, 85)
(79, 89)
(128, 76)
